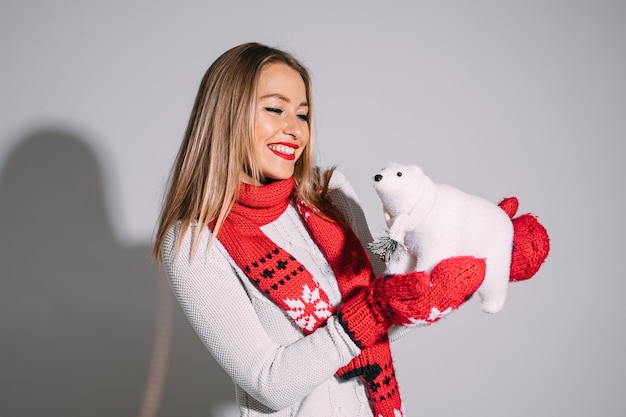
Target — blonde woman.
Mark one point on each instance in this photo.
(265, 254)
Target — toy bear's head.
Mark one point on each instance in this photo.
(399, 188)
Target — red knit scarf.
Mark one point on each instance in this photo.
(287, 283)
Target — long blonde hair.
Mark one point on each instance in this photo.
(216, 148)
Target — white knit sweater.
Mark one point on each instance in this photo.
(277, 371)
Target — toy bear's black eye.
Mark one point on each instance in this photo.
(399, 174)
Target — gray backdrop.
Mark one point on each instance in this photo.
(522, 98)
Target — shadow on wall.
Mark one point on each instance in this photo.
(87, 326)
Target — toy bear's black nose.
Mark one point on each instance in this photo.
(378, 177)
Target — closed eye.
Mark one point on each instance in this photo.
(273, 110)
(304, 117)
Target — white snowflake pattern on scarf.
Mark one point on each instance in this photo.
(309, 308)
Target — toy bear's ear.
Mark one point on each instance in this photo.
(416, 170)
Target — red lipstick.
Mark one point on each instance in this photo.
(285, 150)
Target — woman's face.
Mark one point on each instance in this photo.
(281, 130)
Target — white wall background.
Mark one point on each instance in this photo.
(524, 98)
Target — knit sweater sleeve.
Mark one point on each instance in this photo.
(218, 307)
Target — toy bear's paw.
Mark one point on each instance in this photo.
(387, 249)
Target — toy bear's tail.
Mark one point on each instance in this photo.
(531, 242)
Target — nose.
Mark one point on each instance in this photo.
(378, 177)
(293, 127)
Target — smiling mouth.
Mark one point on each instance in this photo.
(287, 152)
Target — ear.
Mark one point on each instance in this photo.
(417, 170)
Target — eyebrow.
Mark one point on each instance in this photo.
(283, 98)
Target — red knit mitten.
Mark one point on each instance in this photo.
(531, 243)
(410, 299)
(453, 281)
(367, 315)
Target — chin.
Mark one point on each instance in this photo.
(277, 176)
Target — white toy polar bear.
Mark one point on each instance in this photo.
(438, 221)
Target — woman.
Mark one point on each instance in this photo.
(263, 252)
